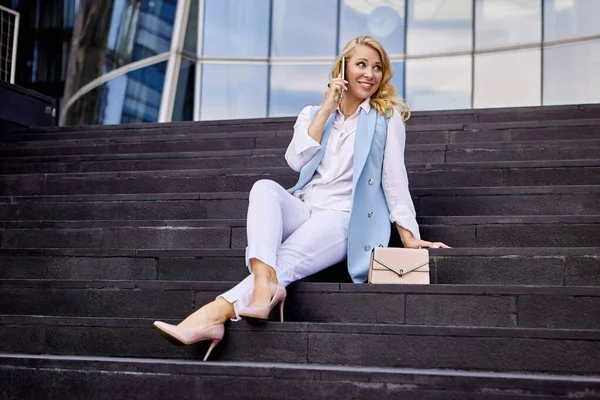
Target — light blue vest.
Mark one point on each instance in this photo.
(369, 217)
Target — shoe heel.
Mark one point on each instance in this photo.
(281, 309)
(213, 343)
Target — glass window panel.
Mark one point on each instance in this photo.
(398, 78)
(69, 12)
(231, 91)
(191, 33)
(300, 31)
(571, 73)
(234, 28)
(294, 87)
(439, 83)
(565, 19)
(382, 20)
(138, 30)
(49, 61)
(50, 14)
(183, 108)
(501, 23)
(508, 79)
(130, 98)
(439, 26)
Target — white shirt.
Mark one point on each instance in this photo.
(331, 186)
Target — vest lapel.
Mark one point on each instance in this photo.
(362, 142)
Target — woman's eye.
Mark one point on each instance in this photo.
(378, 68)
(361, 64)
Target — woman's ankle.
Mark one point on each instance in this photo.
(227, 310)
(213, 313)
(263, 271)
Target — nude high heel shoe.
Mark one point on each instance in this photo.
(262, 312)
(178, 335)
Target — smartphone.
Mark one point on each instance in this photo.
(343, 77)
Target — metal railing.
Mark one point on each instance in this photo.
(9, 35)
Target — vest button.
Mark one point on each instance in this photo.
(367, 248)
(370, 214)
(371, 181)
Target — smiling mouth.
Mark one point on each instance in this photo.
(366, 85)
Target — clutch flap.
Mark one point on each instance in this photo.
(401, 261)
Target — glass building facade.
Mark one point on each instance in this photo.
(45, 33)
(181, 60)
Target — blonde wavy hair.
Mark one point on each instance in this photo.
(385, 99)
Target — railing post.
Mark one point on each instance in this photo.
(8, 13)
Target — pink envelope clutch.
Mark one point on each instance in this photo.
(400, 266)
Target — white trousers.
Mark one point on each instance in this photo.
(283, 233)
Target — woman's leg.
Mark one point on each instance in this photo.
(273, 214)
(320, 242)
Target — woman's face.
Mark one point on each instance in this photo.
(363, 72)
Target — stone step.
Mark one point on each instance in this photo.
(572, 149)
(511, 114)
(562, 351)
(532, 132)
(224, 161)
(416, 134)
(525, 231)
(71, 159)
(61, 377)
(242, 179)
(506, 201)
(154, 130)
(524, 151)
(553, 266)
(433, 305)
(545, 115)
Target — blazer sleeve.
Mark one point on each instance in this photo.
(302, 147)
(395, 177)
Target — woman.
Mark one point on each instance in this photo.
(353, 181)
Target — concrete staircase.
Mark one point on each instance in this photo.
(105, 229)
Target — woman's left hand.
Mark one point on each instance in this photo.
(424, 244)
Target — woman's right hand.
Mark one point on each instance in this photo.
(332, 96)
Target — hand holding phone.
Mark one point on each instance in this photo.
(337, 86)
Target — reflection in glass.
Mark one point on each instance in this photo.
(385, 22)
(50, 59)
(398, 78)
(439, 83)
(439, 26)
(191, 33)
(183, 108)
(234, 28)
(564, 19)
(69, 12)
(294, 87)
(300, 31)
(508, 79)
(571, 73)
(131, 98)
(138, 30)
(501, 23)
(231, 91)
(50, 14)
